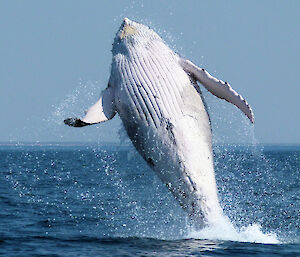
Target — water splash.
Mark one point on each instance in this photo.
(73, 105)
(252, 233)
(75, 102)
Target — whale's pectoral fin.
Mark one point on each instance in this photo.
(217, 87)
(102, 110)
(74, 122)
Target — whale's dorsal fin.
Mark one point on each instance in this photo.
(103, 110)
(217, 87)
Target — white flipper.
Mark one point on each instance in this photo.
(217, 87)
(102, 110)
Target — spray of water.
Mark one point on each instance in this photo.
(74, 103)
(227, 139)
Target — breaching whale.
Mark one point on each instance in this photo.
(156, 95)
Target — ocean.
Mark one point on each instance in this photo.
(103, 200)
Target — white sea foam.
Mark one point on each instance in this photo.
(252, 233)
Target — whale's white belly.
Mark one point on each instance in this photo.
(166, 120)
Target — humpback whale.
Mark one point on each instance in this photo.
(157, 96)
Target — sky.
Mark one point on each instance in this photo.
(55, 59)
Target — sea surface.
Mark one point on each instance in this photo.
(93, 200)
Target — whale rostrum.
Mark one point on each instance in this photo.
(156, 95)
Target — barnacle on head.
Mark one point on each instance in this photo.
(127, 31)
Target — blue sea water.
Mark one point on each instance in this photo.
(89, 200)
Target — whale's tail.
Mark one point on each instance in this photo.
(102, 110)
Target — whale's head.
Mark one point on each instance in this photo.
(132, 34)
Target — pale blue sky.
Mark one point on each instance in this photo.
(55, 59)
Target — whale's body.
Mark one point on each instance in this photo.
(166, 120)
(155, 93)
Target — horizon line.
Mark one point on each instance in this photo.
(107, 143)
